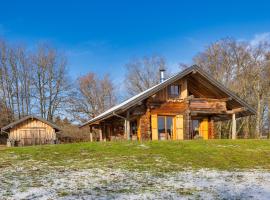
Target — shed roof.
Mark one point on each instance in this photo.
(11, 125)
(149, 92)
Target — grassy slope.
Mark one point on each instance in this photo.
(149, 156)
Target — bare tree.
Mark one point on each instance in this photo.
(50, 81)
(239, 63)
(15, 79)
(143, 73)
(93, 96)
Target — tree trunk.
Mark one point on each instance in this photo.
(258, 119)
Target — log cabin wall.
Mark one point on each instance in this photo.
(32, 131)
(162, 104)
(211, 127)
(144, 126)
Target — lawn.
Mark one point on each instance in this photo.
(148, 156)
(184, 169)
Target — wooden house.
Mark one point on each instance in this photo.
(183, 106)
(31, 130)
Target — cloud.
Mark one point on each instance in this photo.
(258, 38)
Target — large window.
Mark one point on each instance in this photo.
(165, 127)
(174, 91)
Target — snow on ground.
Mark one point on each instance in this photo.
(20, 183)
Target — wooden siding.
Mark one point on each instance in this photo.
(32, 131)
(163, 96)
(170, 108)
(208, 105)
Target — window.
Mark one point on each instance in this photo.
(174, 91)
(165, 127)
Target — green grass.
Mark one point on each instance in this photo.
(147, 156)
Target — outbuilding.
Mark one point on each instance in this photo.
(31, 130)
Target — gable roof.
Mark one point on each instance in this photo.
(149, 92)
(11, 125)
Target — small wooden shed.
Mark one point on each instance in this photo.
(31, 130)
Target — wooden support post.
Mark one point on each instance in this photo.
(127, 126)
(100, 134)
(233, 127)
(91, 134)
(187, 126)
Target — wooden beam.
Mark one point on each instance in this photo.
(233, 127)
(236, 110)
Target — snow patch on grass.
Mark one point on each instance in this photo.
(106, 183)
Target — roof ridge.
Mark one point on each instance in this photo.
(10, 125)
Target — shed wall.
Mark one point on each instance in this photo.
(30, 128)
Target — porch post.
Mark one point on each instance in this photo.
(233, 127)
(91, 134)
(100, 134)
(187, 125)
(127, 126)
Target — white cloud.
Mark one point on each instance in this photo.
(258, 38)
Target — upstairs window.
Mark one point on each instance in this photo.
(174, 91)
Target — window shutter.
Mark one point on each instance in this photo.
(179, 124)
(154, 127)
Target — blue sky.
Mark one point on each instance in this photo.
(102, 36)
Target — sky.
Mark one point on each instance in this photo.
(102, 36)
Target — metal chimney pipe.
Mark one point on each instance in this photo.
(162, 76)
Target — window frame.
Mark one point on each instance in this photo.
(171, 92)
(166, 128)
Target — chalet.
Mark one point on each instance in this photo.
(30, 130)
(183, 106)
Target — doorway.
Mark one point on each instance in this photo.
(199, 128)
(134, 130)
